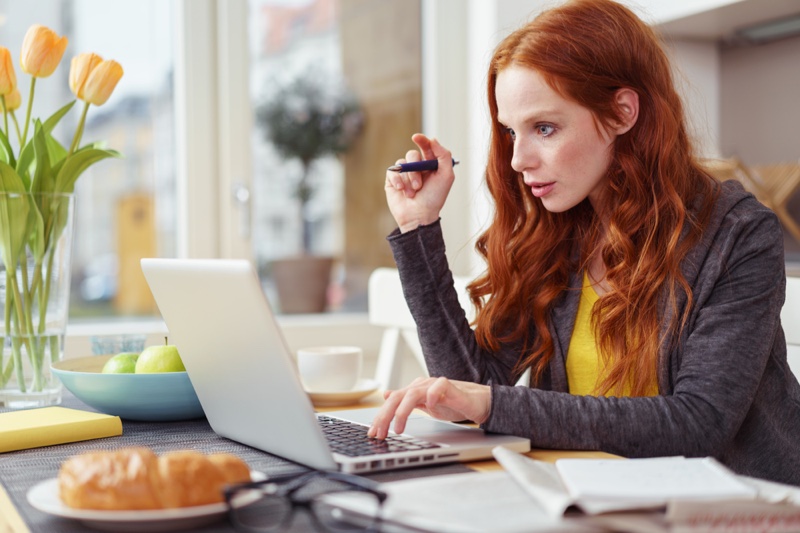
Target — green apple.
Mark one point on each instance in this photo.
(122, 363)
(160, 358)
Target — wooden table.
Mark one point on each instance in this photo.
(11, 521)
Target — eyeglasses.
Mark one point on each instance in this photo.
(336, 502)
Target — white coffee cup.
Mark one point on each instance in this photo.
(329, 368)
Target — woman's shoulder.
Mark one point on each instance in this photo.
(740, 231)
(735, 204)
(739, 220)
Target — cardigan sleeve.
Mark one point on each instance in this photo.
(448, 342)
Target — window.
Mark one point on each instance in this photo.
(338, 48)
(199, 178)
(125, 208)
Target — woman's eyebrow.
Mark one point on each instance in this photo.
(540, 115)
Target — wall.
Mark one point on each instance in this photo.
(767, 78)
(660, 11)
(696, 67)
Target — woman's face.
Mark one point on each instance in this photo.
(558, 149)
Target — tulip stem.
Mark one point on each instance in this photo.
(28, 112)
(5, 114)
(16, 126)
(79, 130)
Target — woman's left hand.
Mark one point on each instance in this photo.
(417, 198)
(441, 398)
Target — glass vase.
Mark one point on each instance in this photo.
(35, 246)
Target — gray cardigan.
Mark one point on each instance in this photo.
(725, 389)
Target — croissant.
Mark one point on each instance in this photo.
(136, 479)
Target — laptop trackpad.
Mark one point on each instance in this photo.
(441, 432)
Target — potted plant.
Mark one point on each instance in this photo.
(307, 119)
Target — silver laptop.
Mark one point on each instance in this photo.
(247, 381)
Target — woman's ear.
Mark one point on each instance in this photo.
(627, 101)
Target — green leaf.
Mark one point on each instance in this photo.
(57, 217)
(27, 153)
(10, 181)
(75, 165)
(43, 178)
(55, 149)
(6, 152)
(35, 222)
(14, 212)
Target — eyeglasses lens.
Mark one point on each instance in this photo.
(335, 509)
(256, 511)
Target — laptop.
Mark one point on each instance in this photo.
(247, 382)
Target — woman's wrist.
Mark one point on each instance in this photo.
(416, 223)
(485, 401)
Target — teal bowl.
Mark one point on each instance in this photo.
(148, 397)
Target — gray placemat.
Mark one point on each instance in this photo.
(20, 470)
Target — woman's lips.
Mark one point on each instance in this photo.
(541, 189)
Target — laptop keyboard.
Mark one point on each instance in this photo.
(349, 438)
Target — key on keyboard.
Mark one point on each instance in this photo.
(349, 438)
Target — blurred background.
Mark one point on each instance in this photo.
(262, 128)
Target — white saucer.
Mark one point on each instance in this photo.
(363, 388)
(44, 497)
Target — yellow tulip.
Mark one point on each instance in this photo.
(13, 100)
(8, 79)
(80, 68)
(101, 82)
(42, 50)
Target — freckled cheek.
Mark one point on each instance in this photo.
(585, 157)
(571, 158)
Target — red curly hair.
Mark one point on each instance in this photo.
(587, 50)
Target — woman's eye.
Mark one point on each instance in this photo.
(511, 133)
(545, 129)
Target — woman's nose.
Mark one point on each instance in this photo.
(523, 156)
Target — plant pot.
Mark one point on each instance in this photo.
(302, 283)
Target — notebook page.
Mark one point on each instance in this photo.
(654, 481)
(539, 479)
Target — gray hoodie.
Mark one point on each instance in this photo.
(725, 389)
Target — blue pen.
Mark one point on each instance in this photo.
(418, 166)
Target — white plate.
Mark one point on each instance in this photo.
(44, 497)
(363, 388)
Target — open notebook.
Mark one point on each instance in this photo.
(247, 383)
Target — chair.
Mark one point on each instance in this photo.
(790, 319)
(388, 309)
(778, 185)
(728, 169)
(773, 185)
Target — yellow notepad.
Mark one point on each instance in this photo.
(31, 428)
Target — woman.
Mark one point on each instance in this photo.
(643, 295)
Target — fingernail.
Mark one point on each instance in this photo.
(415, 184)
(398, 186)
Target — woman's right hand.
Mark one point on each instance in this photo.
(417, 198)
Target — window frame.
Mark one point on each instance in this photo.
(213, 159)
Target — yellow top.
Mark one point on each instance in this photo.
(584, 371)
(583, 359)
